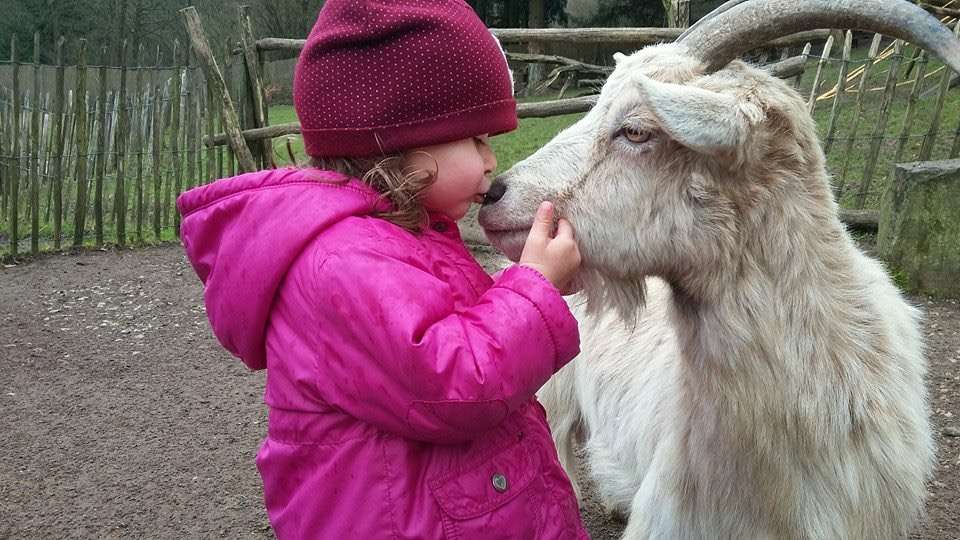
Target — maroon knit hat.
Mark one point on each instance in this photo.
(377, 76)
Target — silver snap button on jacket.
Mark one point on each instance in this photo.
(499, 482)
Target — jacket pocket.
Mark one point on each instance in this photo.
(500, 496)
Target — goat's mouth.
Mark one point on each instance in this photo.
(509, 241)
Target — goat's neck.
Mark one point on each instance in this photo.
(778, 299)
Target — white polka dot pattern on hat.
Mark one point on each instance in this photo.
(382, 65)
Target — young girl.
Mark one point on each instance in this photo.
(400, 377)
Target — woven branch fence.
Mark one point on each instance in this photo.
(96, 154)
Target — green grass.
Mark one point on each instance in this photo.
(510, 148)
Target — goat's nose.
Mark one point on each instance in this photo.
(495, 193)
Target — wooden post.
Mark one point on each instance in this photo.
(58, 140)
(888, 96)
(175, 106)
(49, 140)
(955, 149)
(140, 129)
(926, 148)
(156, 113)
(197, 134)
(679, 13)
(805, 53)
(80, 173)
(220, 151)
(841, 89)
(271, 160)
(921, 65)
(815, 89)
(255, 86)
(535, 19)
(212, 151)
(215, 78)
(69, 141)
(919, 227)
(4, 134)
(123, 128)
(193, 117)
(14, 213)
(231, 161)
(35, 151)
(857, 113)
(102, 154)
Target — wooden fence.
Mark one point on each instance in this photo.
(95, 154)
(873, 109)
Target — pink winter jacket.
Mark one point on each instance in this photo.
(400, 376)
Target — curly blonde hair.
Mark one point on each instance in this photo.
(402, 186)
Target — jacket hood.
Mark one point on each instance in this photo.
(242, 234)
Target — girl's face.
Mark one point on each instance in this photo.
(462, 170)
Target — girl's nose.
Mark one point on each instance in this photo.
(489, 159)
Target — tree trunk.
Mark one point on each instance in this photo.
(534, 69)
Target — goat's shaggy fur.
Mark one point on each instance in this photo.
(773, 386)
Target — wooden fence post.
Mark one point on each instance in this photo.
(80, 174)
(255, 82)
(123, 128)
(14, 213)
(921, 64)
(926, 149)
(212, 151)
(4, 134)
(679, 13)
(102, 154)
(215, 78)
(138, 140)
(889, 94)
(815, 89)
(857, 113)
(955, 148)
(58, 140)
(175, 107)
(841, 89)
(191, 115)
(35, 151)
(156, 113)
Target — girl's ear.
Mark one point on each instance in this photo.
(703, 120)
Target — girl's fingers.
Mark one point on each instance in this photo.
(564, 229)
(543, 223)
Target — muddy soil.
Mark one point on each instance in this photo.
(124, 418)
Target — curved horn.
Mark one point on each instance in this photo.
(706, 18)
(744, 25)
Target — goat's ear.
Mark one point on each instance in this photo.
(618, 57)
(706, 121)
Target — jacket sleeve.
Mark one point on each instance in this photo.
(397, 354)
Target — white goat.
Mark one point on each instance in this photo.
(773, 385)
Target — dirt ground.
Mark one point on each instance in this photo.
(123, 417)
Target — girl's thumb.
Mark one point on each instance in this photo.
(543, 223)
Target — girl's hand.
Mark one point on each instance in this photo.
(556, 257)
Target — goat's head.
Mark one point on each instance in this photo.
(684, 148)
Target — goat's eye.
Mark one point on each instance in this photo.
(635, 135)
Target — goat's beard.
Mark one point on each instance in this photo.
(627, 296)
